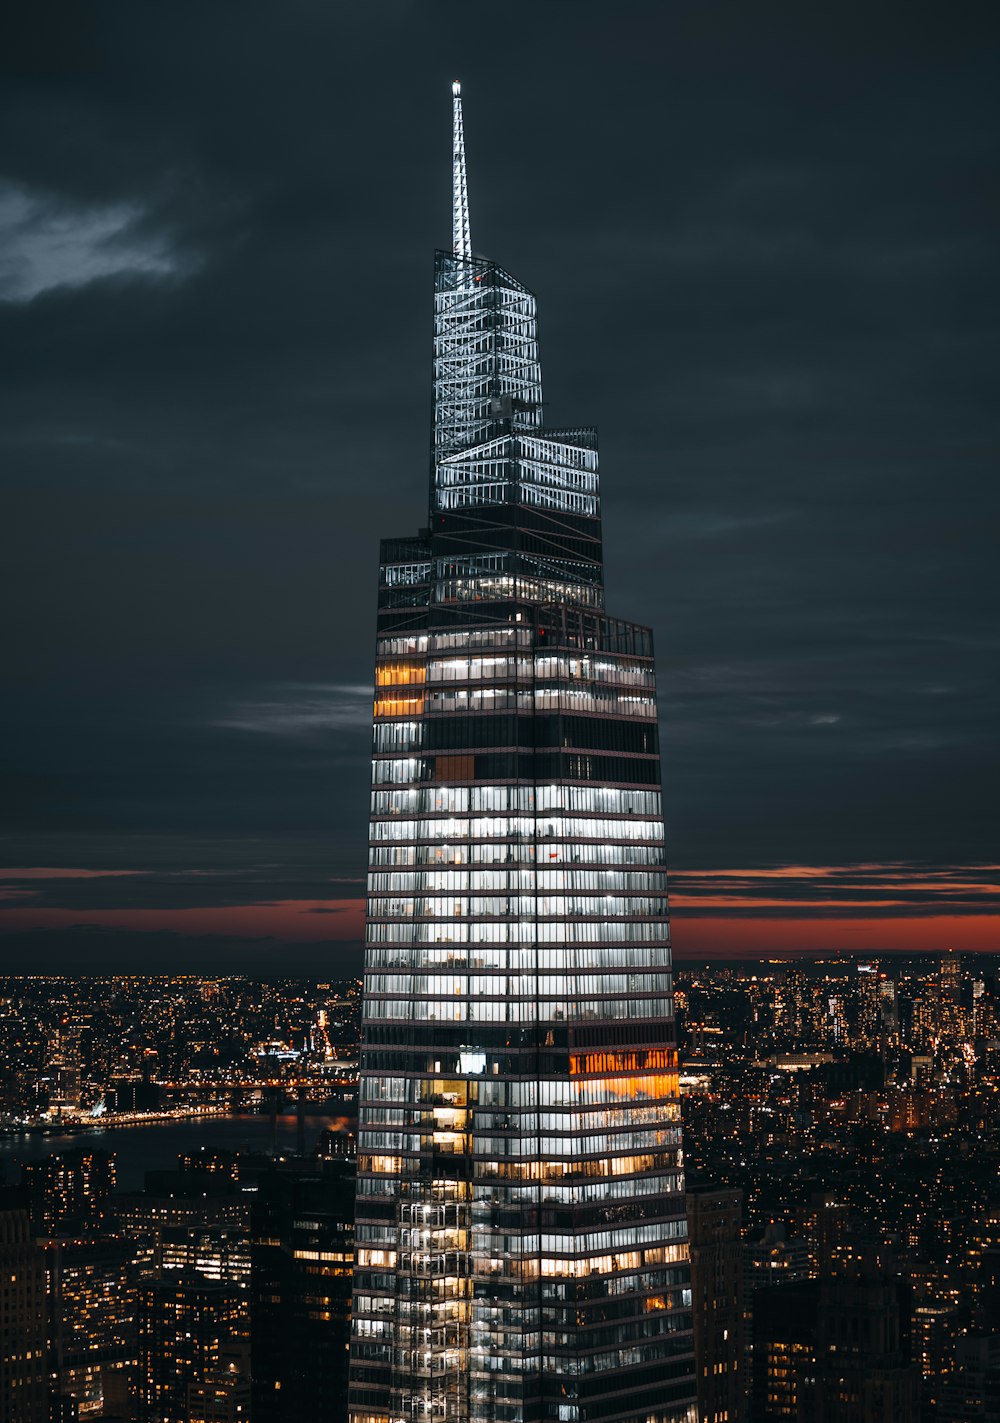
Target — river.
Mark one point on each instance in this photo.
(155, 1145)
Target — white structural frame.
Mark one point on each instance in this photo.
(461, 239)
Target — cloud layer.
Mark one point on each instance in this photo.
(764, 253)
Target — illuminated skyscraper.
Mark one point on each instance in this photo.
(521, 1238)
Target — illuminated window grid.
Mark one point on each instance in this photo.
(520, 1224)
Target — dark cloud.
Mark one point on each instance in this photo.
(89, 949)
(762, 238)
(860, 891)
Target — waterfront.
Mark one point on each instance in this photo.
(155, 1145)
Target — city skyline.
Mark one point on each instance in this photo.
(780, 236)
(840, 1122)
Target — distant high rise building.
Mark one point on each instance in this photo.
(63, 1069)
(714, 1227)
(195, 1200)
(188, 1327)
(824, 1223)
(951, 979)
(954, 1024)
(522, 1248)
(869, 1024)
(936, 1328)
(69, 1189)
(23, 1383)
(92, 1301)
(775, 1258)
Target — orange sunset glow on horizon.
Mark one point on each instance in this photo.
(726, 913)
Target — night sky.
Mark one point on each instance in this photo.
(763, 239)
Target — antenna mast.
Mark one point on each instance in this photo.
(461, 241)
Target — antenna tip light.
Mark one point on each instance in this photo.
(456, 88)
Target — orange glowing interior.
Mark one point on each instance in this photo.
(585, 1064)
(399, 706)
(401, 674)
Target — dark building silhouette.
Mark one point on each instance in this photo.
(989, 1288)
(302, 1255)
(23, 1382)
(717, 1280)
(63, 1408)
(972, 1394)
(835, 1350)
(785, 1319)
(132, 1095)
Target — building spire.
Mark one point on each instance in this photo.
(461, 241)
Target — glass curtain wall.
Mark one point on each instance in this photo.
(521, 1237)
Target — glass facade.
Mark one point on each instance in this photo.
(521, 1236)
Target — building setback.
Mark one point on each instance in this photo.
(521, 1238)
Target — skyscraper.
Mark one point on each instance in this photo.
(68, 1189)
(190, 1328)
(715, 1216)
(521, 1238)
(300, 1291)
(23, 1383)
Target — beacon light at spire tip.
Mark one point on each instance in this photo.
(456, 87)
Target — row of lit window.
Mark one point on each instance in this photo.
(604, 800)
(607, 1146)
(603, 1139)
(535, 1171)
(573, 1246)
(492, 906)
(551, 459)
(529, 931)
(616, 671)
(608, 881)
(535, 828)
(379, 1091)
(495, 636)
(579, 986)
(604, 1118)
(526, 958)
(502, 587)
(604, 700)
(502, 852)
(492, 1010)
(461, 473)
